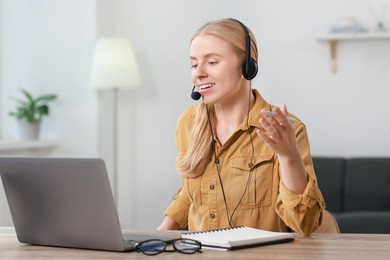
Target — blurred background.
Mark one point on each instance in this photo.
(47, 46)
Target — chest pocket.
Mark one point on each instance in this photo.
(250, 187)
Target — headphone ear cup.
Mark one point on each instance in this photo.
(250, 69)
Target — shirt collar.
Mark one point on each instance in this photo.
(254, 113)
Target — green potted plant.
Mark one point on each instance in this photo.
(29, 112)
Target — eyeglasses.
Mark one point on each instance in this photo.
(157, 246)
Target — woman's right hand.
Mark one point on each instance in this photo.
(168, 224)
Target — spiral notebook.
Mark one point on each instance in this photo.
(238, 237)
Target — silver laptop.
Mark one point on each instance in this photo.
(64, 202)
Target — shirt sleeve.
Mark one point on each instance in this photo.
(302, 212)
(178, 208)
(310, 197)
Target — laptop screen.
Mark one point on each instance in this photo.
(61, 202)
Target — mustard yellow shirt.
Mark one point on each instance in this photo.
(267, 204)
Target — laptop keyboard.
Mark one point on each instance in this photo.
(130, 244)
(131, 240)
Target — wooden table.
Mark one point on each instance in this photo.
(316, 246)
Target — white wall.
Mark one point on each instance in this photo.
(46, 46)
(1, 70)
(345, 113)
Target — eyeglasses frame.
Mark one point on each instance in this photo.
(168, 242)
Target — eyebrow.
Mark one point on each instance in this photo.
(206, 56)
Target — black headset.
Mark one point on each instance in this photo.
(249, 67)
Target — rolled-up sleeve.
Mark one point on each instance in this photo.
(310, 197)
(302, 212)
(178, 208)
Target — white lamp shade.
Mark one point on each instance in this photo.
(114, 64)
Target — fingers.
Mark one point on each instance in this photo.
(283, 108)
(274, 123)
(263, 135)
(271, 127)
(281, 115)
(277, 130)
(275, 118)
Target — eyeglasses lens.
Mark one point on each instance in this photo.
(152, 247)
(186, 246)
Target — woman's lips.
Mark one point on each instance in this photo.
(205, 87)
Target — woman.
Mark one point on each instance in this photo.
(240, 164)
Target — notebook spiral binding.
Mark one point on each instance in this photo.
(213, 230)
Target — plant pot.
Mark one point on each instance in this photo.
(29, 131)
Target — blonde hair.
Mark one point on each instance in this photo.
(198, 156)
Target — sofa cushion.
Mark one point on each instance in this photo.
(367, 184)
(364, 222)
(330, 178)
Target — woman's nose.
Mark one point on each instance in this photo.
(200, 72)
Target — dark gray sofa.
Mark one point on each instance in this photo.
(356, 192)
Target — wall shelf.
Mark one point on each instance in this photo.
(12, 145)
(334, 38)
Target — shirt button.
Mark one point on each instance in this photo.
(212, 215)
(212, 186)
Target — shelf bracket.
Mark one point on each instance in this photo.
(333, 38)
(333, 47)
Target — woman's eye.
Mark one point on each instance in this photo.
(193, 66)
(212, 62)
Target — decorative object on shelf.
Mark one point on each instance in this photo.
(114, 67)
(347, 25)
(379, 18)
(29, 113)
